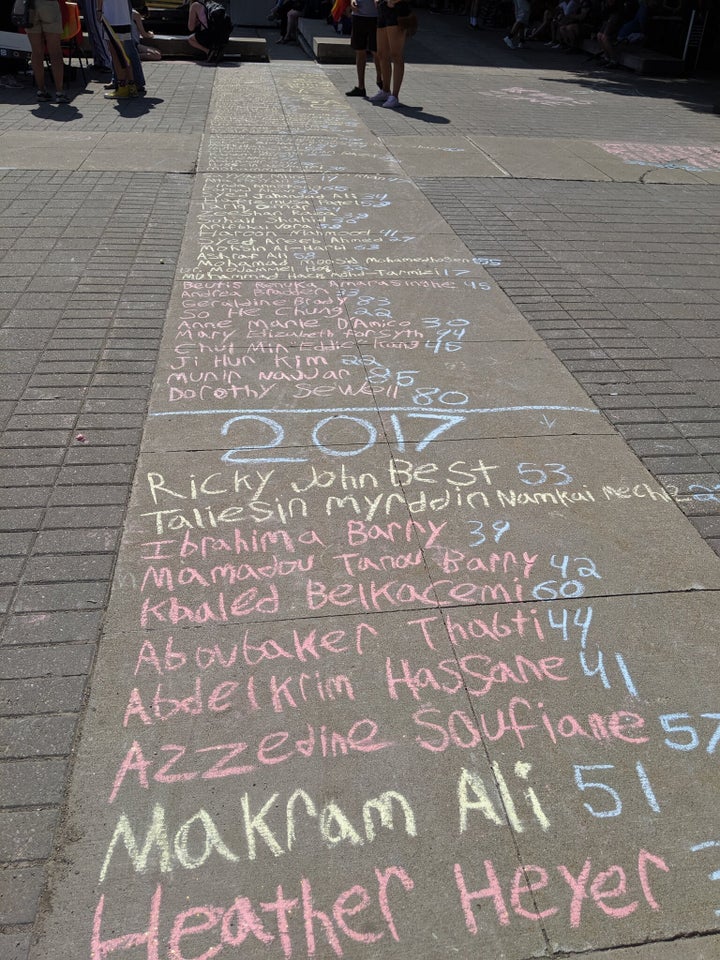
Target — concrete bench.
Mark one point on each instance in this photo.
(319, 40)
(245, 48)
(642, 60)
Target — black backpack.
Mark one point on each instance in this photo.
(219, 24)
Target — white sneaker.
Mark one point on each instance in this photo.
(392, 102)
(508, 41)
(380, 97)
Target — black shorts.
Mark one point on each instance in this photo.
(388, 16)
(363, 35)
(203, 36)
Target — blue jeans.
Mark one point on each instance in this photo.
(131, 49)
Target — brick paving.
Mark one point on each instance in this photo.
(84, 299)
(177, 101)
(623, 283)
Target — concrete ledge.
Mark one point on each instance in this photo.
(245, 48)
(320, 41)
(643, 60)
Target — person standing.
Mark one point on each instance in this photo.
(198, 26)
(45, 31)
(515, 38)
(129, 79)
(363, 40)
(391, 50)
(102, 60)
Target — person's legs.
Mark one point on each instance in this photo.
(133, 54)
(45, 33)
(37, 59)
(57, 65)
(572, 36)
(378, 74)
(194, 42)
(383, 62)
(360, 65)
(148, 53)
(396, 50)
(292, 22)
(522, 16)
(120, 65)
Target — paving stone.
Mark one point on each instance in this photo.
(53, 627)
(89, 495)
(33, 496)
(20, 890)
(708, 527)
(16, 544)
(87, 454)
(15, 942)
(70, 541)
(678, 464)
(36, 736)
(26, 835)
(664, 446)
(10, 569)
(78, 517)
(68, 659)
(32, 783)
(48, 568)
(38, 695)
(70, 595)
(12, 520)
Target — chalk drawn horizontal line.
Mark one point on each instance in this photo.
(705, 845)
(350, 411)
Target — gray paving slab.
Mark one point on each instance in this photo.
(166, 152)
(273, 153)
(99, 151)
(28, 149)
(624, 787)
(48, 643)
(538, 158)
(432, 156)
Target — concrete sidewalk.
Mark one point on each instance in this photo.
(400, 366)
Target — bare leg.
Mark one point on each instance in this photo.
(607, 48)
(383, 58)
(194, 42)
(37, 58)
(360, 63)
(396, 43)
(56, 59)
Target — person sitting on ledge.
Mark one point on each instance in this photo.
(289, 12)
(578, 26)
(140, 33)
(198, 26)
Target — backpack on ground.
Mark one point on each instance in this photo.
(219, 25)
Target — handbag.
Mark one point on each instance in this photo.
(22, 13)
(409, 24)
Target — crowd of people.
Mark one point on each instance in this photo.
(378, 30)
(115, 32)
(565, 25)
